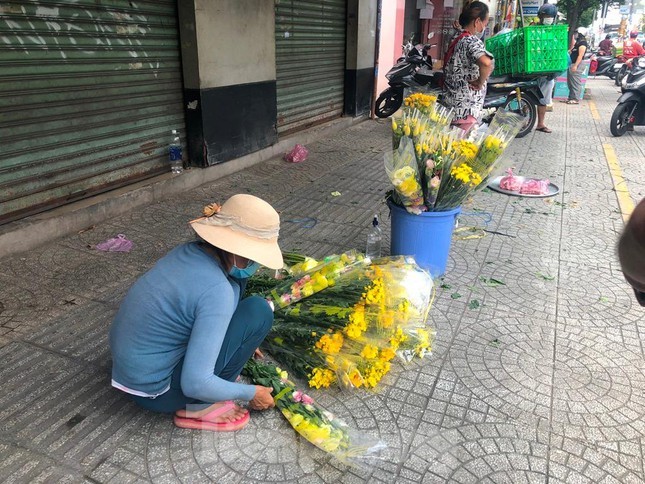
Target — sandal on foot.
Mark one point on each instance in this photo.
(573, 101)
(544, 129)
(207, 421)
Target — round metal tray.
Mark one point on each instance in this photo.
(494, 185)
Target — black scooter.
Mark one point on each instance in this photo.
(608, 65)
(413, 71)
(630, 111)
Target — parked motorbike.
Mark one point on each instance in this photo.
(630, 111)
(414, 71)
(518, 95)
(605, 65)
(623, 70)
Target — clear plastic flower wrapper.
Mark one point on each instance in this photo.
(450, 166)
(349, 333)
(477, 159)
(320, 427)
(311, 276)
(402, 169)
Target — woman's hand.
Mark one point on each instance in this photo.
(477, 84)
(262, 399)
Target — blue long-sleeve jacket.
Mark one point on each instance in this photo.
(181, 308)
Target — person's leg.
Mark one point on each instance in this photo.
(170, 401)
(249, 325)
(576, 85)
(570, 81)
(541, 113)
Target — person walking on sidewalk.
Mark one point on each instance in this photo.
(467, 66)
(547, 15)
(574, 76)
(184, 332)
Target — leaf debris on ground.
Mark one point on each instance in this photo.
(491, 282)
(546, 277)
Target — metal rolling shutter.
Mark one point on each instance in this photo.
(89, 92)
(310, 61)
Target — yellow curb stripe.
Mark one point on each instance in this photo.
(594, 110)
(625, 201)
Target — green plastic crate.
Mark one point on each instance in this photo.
(538, 49)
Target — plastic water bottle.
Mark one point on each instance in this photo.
(174, 153)
(374, 237)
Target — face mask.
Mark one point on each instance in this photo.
(245, 273)
(479, 34)
(548, 21)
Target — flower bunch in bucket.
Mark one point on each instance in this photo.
(450, 166)
(349, 332)
(320, 427)
(477, 159)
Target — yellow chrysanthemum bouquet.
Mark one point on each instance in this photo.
(476, 159)
(320, 427)
(349, 333)
(450, 166)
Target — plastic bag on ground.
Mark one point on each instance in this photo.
(115, 244)
(297, 155)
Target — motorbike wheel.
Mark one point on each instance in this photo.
(388, 102)
(620, 120)
(526, 108)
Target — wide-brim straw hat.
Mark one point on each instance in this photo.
(244, 225)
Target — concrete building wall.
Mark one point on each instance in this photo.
(235, 41)
(361, 45)
(228, 57)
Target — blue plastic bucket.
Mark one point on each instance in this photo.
(426, 236)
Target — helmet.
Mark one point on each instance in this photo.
(547, 10)
(633, 34)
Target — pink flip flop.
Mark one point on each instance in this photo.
(207, 422)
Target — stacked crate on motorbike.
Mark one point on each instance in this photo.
(538, 49)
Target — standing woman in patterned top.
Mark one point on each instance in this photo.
(467, 66)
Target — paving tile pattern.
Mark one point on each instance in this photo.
(542, 382)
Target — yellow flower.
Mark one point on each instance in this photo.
(369, 352)
(357, 323)
(307, 289)
(330, 344)
(387, 354)
(398, 337)
(386, 318)
(376, 292)
(355, 378)
(321, 378)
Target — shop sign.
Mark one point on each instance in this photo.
(530, 7)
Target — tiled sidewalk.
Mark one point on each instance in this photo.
(543, 382)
